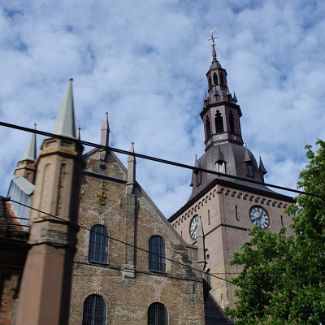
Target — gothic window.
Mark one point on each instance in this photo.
(215, 79)
(209, 81)
(221, 79)
(157, 261)
(157, 314)
(231, 122)
(219, 122)
(249, 169)
(207, 128)
(98, 244)
(94, 311)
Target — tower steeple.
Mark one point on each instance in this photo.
(65, 122)
(221, 114)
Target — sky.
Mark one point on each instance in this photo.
(144, 62)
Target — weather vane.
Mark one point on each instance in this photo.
(213, 44)
(212, 31)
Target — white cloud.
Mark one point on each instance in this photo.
(144, 62)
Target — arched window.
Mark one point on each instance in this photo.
(94, 311)
(219, 122)
(207, 128)
(221, 79)
(157, 261)
(209, 81)
(157, 314)
(98, 244)
(215, 79)
(231, 122)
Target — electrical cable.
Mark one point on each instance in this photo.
(155, 159)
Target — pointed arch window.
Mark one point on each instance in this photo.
(207, 128)
(157, 314)
(209, 82)
(222, 80)
(215, 79)
(219, 122)
(157, 262)
(94, 311)
(231, 122)
(98, 244)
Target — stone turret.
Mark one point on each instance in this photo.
(46, 283)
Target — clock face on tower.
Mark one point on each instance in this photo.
(193, 227)
(259, 217)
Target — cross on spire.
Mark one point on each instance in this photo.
(213, 44)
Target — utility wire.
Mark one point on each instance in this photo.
(117, 268)
(159, 160)
(119, 241)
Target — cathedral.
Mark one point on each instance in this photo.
(82, 242)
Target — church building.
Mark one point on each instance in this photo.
(83, 243)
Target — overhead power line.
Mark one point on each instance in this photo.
(155, 159)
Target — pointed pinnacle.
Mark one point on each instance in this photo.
(131, 157)
(65, 122)
(261, 167)
(105, 130)
(30, 153)
(235, 98)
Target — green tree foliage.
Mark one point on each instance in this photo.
(282, 281)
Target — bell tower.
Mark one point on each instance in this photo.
(221, 114)
(46, 282)
(227, 207)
